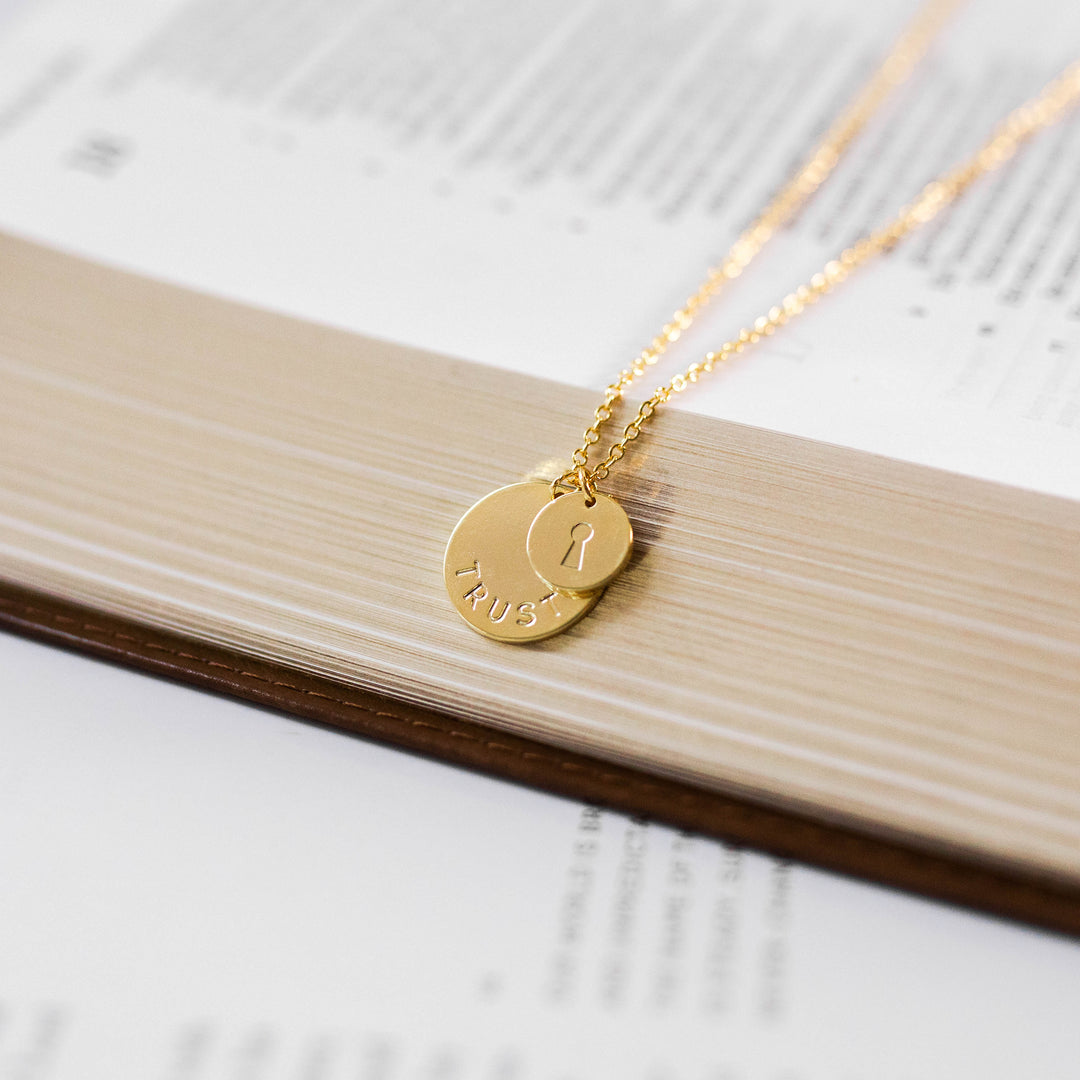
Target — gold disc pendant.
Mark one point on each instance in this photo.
(489, 577)
(579, 543)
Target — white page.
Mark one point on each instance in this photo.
(196, 888)
(538, 185)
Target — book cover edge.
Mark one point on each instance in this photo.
(959, 878)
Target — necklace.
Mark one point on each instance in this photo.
(531, 559)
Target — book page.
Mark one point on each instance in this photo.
(538, 186)
(197, 889)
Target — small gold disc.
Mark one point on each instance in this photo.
(577, 548)
(490, 579)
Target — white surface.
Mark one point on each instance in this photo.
(186, 875)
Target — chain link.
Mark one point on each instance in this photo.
(1042, 111)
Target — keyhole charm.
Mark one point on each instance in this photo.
(580, 535)
(577, 548)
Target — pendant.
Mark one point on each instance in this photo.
(522, 565)
(489, 577)
(579, 543)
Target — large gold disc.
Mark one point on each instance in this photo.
(578, 547)
(490, 579)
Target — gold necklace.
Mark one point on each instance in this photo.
(530, 559)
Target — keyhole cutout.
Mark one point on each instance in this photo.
(580, 535)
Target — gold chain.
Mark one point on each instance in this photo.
(893, 70)
(1043, 110)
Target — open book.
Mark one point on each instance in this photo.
(851, 631)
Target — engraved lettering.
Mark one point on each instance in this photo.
(580, 535)
(477, 593)
(502, 614)
(474, 569)
(526, 614)
(550, 599)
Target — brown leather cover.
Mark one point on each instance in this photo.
(953, 879)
